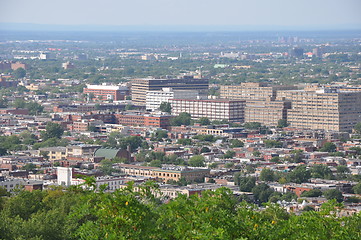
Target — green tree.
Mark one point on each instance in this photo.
(19, 103)
(161, 134)
(321, 171)
(165, 107)
(196, 161)
(92, 128)
(19, 73)
(205, 138)
(252, 125)
(342, 171)
(262, 192)
(297, 156)
(34, 108)
(229, 154)
(312, 193)
(357, 188)
(106, 166)
(155, 163)
(357, 128)
(129, 107)
(256, 153)
(3, 102)
(229, 165)
(52, 130)
(272, 144)
(182, 119)
(328, 147)
(185, 141)
(3, 151)
(333, 194)
(267, 175)
(205, 149)
(204, 121)
(282, 123)
(356, 149)
(29, 167)
(299, 175)
(235, 143)
(245, 183)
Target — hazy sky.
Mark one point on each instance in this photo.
(183, 12)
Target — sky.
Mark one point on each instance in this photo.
(340, 14)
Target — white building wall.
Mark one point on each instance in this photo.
(155, 98)
(65, 175)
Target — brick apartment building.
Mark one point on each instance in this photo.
(139, 119)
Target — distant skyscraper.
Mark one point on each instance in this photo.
(296, 52)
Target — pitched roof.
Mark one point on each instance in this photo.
(108, 153)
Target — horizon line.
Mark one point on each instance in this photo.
(172, 28)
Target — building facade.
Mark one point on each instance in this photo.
(140, 87)
(248, 91)
(140, 119)
(155, 98)
(104, 92)
(221, 109)
(165, 174)
(328, 109)
(266, 112)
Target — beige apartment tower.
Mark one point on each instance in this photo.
(267, 112)
(328, 109)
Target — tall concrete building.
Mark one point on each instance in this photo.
(220, 109)
(247, 91)
(328, 109)
(140, 87)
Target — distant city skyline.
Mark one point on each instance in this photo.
(244, 15)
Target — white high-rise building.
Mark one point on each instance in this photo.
(155, 98)
(65, 176)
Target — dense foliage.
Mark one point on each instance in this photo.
(126, 214)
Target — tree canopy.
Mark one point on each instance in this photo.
(77, 213)
(182, 119)
(52, 130)
(165, 107)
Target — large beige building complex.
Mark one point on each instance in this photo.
(328, 109)
(140, 87)
(267, 112)
(248, 91)
(220, 109)
(263, 105)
